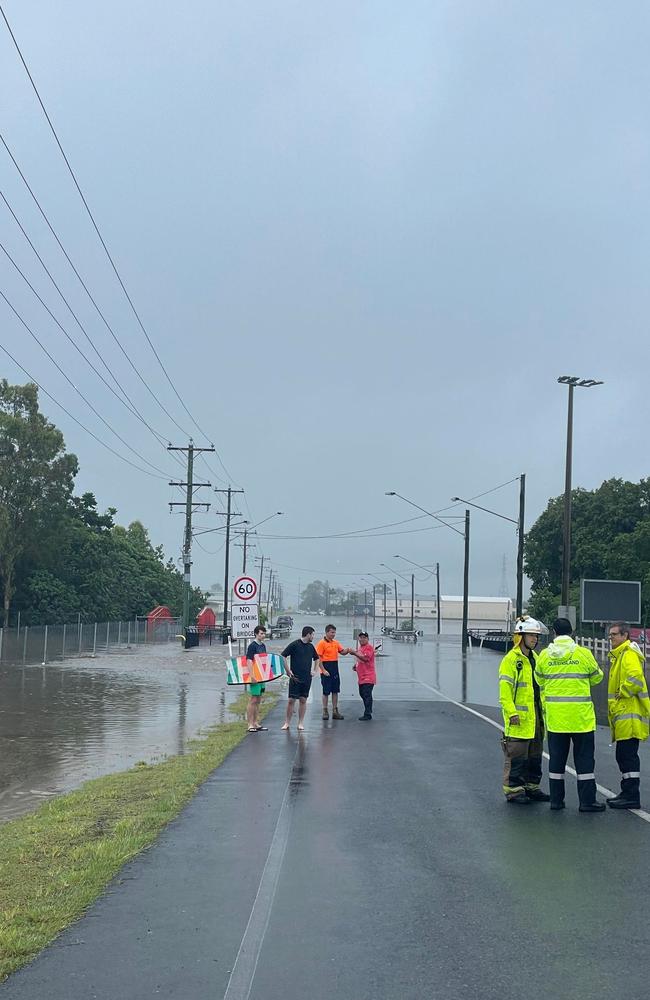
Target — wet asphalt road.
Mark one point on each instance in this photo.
(366, 861)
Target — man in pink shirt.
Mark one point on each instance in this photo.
(366, 674)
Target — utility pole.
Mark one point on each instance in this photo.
(465, 637)
(413, 601)
(268, 593)
(438, 593)
(384, 607)
(396, 618)
(189, 505)
(229, 515)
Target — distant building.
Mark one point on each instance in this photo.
(485, 609)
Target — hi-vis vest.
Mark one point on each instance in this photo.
(517, 694)
(628, 701)
(565, 673)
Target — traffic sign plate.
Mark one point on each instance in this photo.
(244, 619)
(245, 590)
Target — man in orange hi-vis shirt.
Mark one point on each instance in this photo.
(329, 650)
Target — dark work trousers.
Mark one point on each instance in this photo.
(583, 758)
(365, 690)
(522, 769)
(627, 758)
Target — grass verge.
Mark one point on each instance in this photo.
(56, 861)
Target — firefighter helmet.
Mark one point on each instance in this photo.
(528, 625)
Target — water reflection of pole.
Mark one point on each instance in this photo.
(182, 715)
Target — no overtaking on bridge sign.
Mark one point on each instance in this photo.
(244, 619)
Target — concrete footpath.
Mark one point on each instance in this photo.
(367, 861)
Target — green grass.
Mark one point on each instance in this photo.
(56, 861)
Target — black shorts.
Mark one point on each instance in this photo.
(331, 684)
(299, 689)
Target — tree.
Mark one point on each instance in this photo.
(36, 480)
(610, 539)
(314, 596)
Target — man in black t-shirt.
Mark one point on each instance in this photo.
(303, 660)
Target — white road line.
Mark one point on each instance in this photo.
(607, 792)
(243, 971)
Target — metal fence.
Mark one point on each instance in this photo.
(52, 643)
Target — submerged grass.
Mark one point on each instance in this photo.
(55, 862)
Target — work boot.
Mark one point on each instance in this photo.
(537, 795)
(337, 715)
(521, 799)
(622, 803)
(592, 807)
(326, 715)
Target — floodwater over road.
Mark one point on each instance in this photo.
(65, 723)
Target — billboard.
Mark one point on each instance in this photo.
(610, 601)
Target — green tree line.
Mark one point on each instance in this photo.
(60, 556)
(610, 540)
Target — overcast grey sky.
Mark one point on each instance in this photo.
(365, 238)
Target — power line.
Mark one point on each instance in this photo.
(74, 419)
(76, 389)
(124, 399)
(77, 348)
(85, 286)
(101, 238)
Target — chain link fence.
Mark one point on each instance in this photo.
(54, 643)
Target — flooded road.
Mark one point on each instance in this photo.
(65, 723)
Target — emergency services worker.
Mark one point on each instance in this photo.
(565, 673)
(628, 705)
(523, 720)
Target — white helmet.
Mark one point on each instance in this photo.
(529, 625)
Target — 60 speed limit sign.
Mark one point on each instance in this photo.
(245, 590)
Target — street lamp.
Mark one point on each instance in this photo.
(437, 584)
(464, 534)
(520, 536)
(585, 383)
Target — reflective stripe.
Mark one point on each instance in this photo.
(628, 715)
(635, 680)
(580, 677)
(586, 777)
(556, 777)
(522, 684)
(521, 708)
(643, 694)
(631, 774)
(575, 697)
(504, 677)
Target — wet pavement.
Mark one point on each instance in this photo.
(65, 723)
(368, 861)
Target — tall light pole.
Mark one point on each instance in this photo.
(520, 535)
(428, 570)
(465, 535)
(585, 383)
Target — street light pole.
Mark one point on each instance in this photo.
(465, 605)
(571, 381)
(438, 593)
(396, 618)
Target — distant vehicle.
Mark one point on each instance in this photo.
(281, 629)
(321, 613)
(285, 620)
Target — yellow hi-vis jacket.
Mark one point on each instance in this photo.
(628, 701)
(565, 673)
(517, 694)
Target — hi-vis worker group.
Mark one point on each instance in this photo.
(552, 692)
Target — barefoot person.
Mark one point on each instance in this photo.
(329, 650)
(255, 690)
(303, 660)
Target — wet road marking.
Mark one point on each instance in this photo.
(607, 792)
(243, 971)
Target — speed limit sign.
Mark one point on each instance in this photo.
(245, 590)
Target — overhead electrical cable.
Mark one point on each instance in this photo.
(101, 238)
(124, 398)
(58, 367)
(74, 419)
(88, 292)
(78, 349)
